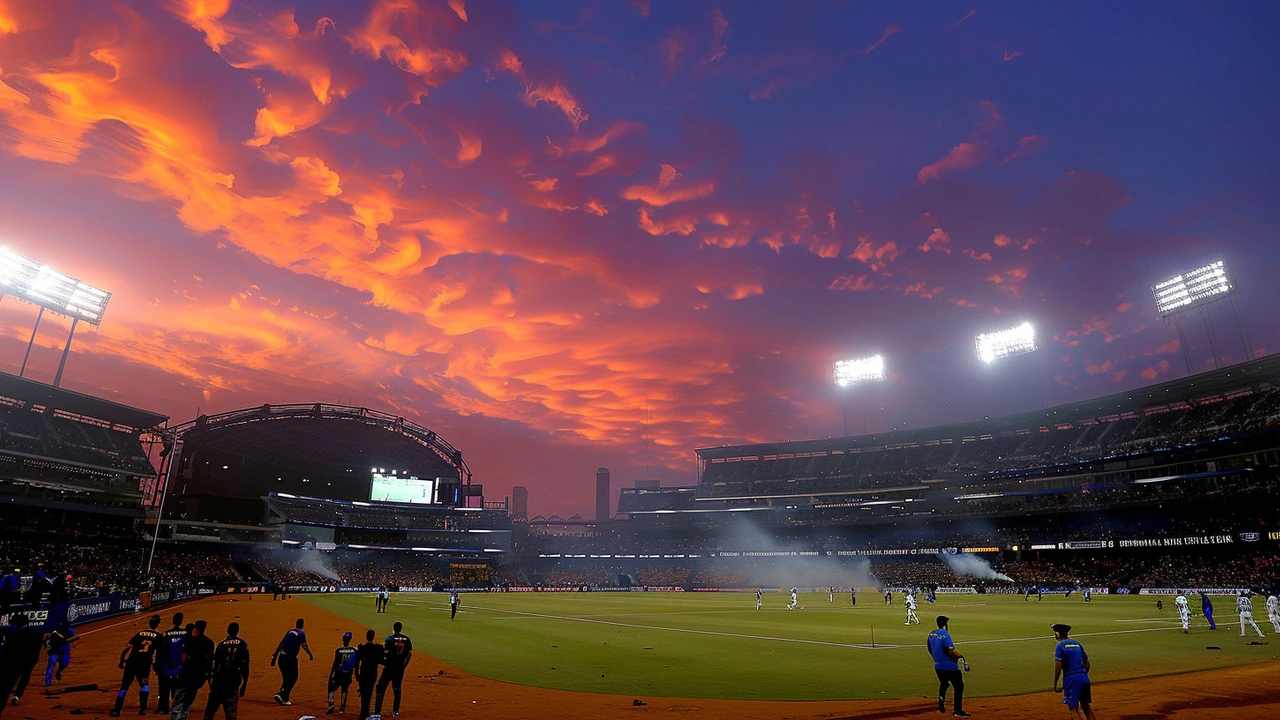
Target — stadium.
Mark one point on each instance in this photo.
(923, 363)
(1132, 498)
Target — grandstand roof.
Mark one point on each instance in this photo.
(1212, 384)
(30, 392)
(326, 438)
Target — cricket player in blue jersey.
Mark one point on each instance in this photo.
(945, 656)
(1206, 607)
(1071, 663)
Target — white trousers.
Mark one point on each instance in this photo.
(1246, 618)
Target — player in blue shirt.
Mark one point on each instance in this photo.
(59, 644)
(1071, 663)
(1206, 607)
(286, 656)
(169, 662)
(945, 656)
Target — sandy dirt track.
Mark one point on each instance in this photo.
(1244, 693)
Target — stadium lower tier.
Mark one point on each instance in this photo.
(104, 566)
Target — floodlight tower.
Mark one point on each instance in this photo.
(49, 289)
(1012, 342)
(1200, 289)
(853, 372)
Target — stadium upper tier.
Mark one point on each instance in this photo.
(317, 449)
(52, 433)
(381, 516)
(1159, 426)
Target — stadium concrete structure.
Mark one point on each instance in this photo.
(66, 454)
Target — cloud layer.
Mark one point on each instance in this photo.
(605, 234)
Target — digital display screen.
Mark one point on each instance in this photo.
(408, 489)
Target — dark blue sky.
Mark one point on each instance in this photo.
(524, 224)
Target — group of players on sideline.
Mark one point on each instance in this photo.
(185, 658)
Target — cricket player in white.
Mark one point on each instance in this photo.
(910, 600)
(1184, 612)
(1273, 612)
(759, 598)
(1245, 606)
(833, 595)
(794, 600)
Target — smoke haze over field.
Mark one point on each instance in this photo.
(787, 571)
(966, 565)
(312, 561)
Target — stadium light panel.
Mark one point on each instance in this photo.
(1006, 343)
(1192, 289)
(28, 280)
(849, 372)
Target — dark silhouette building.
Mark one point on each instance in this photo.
(602, 495)
(520, 502)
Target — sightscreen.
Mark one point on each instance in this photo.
(410, 489)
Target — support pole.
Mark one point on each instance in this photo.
(1244, 334)
(845, 402)
(31, 342)
(1213, 340)
(57, 379)
(1186, 350)
(164, 493)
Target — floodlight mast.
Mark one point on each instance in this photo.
(1197, 290)
(1012, 342)
(854, 372)
(49, 289)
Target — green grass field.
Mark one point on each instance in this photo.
(716, 645)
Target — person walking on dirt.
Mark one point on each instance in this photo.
(368, 657)
(136, 660)
(59, 643)
(344, 664)
(399, 650)
(20, 653)
(1071, 663)
(169, 662)
(286, 656)
(197, 663)
(230, 677)
(946, 668)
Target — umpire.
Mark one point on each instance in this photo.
(945, 656)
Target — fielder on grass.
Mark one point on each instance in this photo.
(910, 601)
(1184, 612)
(1245, 607)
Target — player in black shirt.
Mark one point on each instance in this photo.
(230, 675)
(136, 660)
(368, 657)
(197, 663)
(398, 649)
(20, 653)
(344, 665)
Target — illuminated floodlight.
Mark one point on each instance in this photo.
(1192, 289)
(860, 370)
(1006, 343)
(28, 280)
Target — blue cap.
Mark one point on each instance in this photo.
(346, 635)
